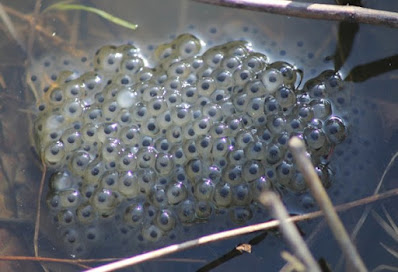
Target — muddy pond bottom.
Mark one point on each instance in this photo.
(139, 154)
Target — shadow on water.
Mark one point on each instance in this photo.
(365, 55)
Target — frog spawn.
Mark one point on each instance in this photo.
(141, 150)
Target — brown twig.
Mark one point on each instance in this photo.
(298, 150)
(37, 223)
(313, 11)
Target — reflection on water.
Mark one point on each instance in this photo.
(357, 163)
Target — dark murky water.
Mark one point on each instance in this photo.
(358, 163)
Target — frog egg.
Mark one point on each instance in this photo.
(223, 195)
(73, 89)
(93, 234)
(57, 97)
(187, 45)
(140, 113)
(230, 63)
(178, 154)
(61, 181)
(94, 171)
(189, 94)
(204, 190)
(162, 145)
(315, 138)
(219, 96)
(260, 121)
(206, 86)
(288, 72)
(286, 97)
(152, 233)
(110, 149)
(332, 81)
(240, 215)
(126, 161)
(322, 108)
(223, 78)
(257, 62)
(72, 109)
(149, 127)
(174, 134)
(163, 52)
(212, 111)
(145, 74)
(195, 64)
(107, 59)
(54, 153)
(255, 151)
(190, 149)
(53, 202)
(276, 123)
(218, 130)
(85, 214)
(285, 172)
(93, 83)
(105, 201)
(188, 132)
(202, 125)
(194, 169)
(164, 163)
(220, 147)
(237, 48)
(305, 113)
(66, 217)
(335, 130)
(110, 110)
(130, 136)
(237, 157)
(165, 220)
(125, 98)
(134, 214)
(240, 102)
(241, 195)
(255, 89)
(213, 57)
(204, 145)
(87, 191)
(146, 180)
(128, 184)
(158, 196)
(255, 107)
(271, 106)
(107, 130)
(316, 89)
(109, 180)
(181, 115)
(176, 193)
(203, 209)
(272, 80)
(260, 185)
(179, 69)
(93, 115)
(265, 135)
(273, 154)
(186, 211)
(54, 123)
(294, 125)
(252, 170)
(131, 65)
(79, 162)
(146, 157)
(242, 76)
(124, 118)
(297, 184)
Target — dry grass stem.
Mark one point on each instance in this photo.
(385, 268)
(10, 27)
(313, 11)
(292, 263)
(289, 230)
(298, 150)
(37, 222)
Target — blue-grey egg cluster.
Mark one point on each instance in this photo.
(141, 150)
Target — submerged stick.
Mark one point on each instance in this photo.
(298, 150)
(289, 231)
(314, 11)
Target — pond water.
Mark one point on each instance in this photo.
(357, 163)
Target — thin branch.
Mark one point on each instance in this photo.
(298, 150)
(289, 231)
(314, 11)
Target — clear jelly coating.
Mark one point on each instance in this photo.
(144, 150)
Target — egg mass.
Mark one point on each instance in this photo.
(141, 152)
